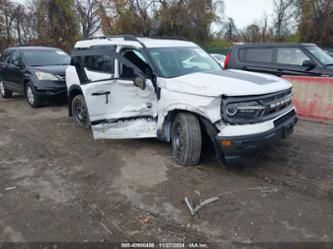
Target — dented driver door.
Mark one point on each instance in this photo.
(117, 108)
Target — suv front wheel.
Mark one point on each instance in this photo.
(80, 112)
(186, 139)
(32, 98)
(4, 92)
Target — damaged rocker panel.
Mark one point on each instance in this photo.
(130, 119)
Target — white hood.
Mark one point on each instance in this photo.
(228, 83)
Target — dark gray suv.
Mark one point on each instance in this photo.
(38, 73)
(303, 59)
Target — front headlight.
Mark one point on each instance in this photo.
(244, 110)
(255, 109)
(46, 76)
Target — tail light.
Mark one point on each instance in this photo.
(226, 61)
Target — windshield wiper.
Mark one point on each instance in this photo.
(330, 64)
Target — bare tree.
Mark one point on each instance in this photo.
(283, 10)
(7, 12)
(90, 20)
(22, 25)
(252, 34)
(264, 28)
(315, 22)
(230, 29)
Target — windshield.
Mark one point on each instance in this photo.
(323, 57)
(219, 57)
(49, 57)
(178, 61)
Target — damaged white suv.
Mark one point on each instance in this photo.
(126, 87)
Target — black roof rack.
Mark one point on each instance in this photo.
(134, 38)
(181, 38)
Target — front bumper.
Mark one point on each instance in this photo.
(51, 89)
(238, 149)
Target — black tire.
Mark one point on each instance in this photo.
(80, 112)
(186, 139)
(32, 98)
(4, 92)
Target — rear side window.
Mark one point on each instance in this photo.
(99, 63)
(5, 58)
(2, 57)
(16, 57)
(291, 56)
(260, 55)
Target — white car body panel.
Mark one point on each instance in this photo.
(206, 107)
(211, 85)
(130, 112)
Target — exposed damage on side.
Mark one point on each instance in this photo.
(127, 87)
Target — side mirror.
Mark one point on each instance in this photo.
(309, 64)
(140, 82)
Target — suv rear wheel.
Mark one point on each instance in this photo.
(186, 139)
(4, 92)
(80, 112)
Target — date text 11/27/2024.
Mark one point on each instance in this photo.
(164, 245)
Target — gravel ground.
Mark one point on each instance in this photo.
(58, 184)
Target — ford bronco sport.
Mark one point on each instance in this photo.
(126, 87)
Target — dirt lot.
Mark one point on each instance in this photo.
(69, 187)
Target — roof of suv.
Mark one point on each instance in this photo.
(135, 42)
(34, 48)
(274, 45)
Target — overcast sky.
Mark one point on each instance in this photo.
(245, 11)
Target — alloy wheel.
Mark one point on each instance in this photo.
(80, 113)
(30, 95)
(2, 88)
(177, 140)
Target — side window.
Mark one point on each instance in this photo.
(260, 55)
(291, 56)
(2, 58)
(99, 63)
(16, 57)
(7, 57)
(242, 54)
(137, 58)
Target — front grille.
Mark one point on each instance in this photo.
(270, 106)
(276, 103)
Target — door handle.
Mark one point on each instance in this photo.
(106, 93)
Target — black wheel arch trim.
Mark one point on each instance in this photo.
(164, 134)
(25, 81)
